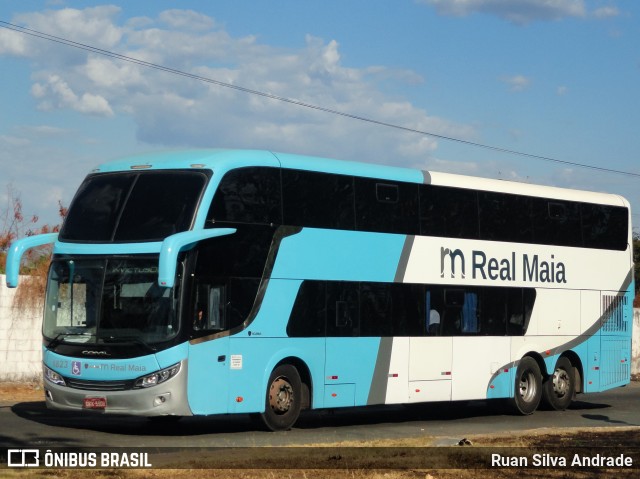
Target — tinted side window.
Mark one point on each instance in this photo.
(450, 212)
(376, 309)
(317, 200)
(605, 226)
(461, 311)
(343, 312)
(556, 222)
(309, 311)
(494, 310)
(505, 217)
(391, 309)
(221, 303)
(243, 253)
(386, 206)
(248, 195)
(487, 311)
(241, 294)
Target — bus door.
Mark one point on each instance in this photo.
(349, 359)
(430, 355)
(209, 348)
(430, 369)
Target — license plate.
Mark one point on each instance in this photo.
(95, 403)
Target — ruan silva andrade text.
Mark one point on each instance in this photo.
(550, 460)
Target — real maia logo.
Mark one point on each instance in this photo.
(528, 268)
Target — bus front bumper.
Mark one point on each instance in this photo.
(165, 399)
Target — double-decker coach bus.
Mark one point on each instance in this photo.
(213, 282)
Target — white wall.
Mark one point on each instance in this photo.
(21, 340)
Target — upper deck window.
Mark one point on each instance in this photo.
(248, 195)
(141, 206)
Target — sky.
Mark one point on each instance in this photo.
(558, 79)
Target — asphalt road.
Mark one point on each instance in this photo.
(30, 424)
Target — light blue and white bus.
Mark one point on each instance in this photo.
(217, 282)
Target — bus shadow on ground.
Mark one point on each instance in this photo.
(242, 423)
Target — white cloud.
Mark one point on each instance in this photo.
(517, 83)
(606, 12)
(56, 92)
(7, 141)
(93, 25)
(12, 43)
(42, 130)
(186, 20)
(515, 11)
(173, 110)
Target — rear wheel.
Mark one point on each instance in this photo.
(283, 398)
(528, 386)
(559, 388)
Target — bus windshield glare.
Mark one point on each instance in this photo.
(109, 300)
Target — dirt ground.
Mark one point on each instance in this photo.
(21, 392)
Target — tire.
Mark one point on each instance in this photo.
(528, 387)
(559, 388)
(283, 399)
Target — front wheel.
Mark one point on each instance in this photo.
(559, 388)
(528, 386)
(283, 398)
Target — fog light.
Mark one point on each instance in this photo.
(160, 400)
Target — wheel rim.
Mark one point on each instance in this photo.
(281, 395)
(561, 382)
(528, 387)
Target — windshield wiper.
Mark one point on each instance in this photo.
(60, 337)
(132, 339)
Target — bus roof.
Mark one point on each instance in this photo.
(225, 159)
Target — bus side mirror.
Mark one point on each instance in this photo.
(17, 250)
(174, 244)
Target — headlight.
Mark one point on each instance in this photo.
(53, 377)
(158, 377)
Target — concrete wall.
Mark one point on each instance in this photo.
(21, 340)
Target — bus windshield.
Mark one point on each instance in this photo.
(133, 206)
(109, 300)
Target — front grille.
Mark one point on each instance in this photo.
(99, 385)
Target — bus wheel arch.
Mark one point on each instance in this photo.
(305, 378)
(578, 370)
(287, 393)
(559, 388)
(527, 392)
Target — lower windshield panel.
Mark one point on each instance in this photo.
(109, 301)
